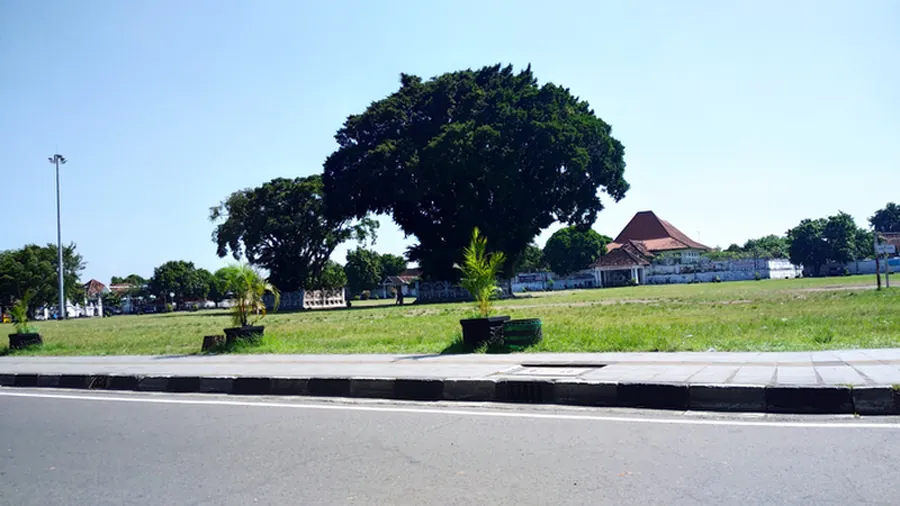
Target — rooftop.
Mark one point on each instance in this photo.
(655, 234)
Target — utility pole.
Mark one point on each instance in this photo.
(56, 160)
(877, 263)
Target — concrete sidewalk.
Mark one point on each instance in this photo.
(851, 381)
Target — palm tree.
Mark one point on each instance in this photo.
(479, 272)
(248, 287)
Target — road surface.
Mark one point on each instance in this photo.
(87, 448)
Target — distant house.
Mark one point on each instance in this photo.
(405, 281)
(645, 238)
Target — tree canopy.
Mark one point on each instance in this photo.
(363, 269)
(813, 243)
(33, 270)
(282, 227)
(532, 260)
(331, 278)
(392, 265)
(887, 219)
(180, 278)
(572, 249)
(487, 148)
(131, 279)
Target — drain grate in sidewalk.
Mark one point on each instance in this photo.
(550, 370)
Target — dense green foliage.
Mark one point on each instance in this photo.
(572, 249)
(392, 265)
(33, 270)
(813, 243)
(281, 226)
(487, 148)
(532, 260)
(363, 270)
(887, 219)
(180, 278)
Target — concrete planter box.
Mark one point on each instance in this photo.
(19, 341)
(248, 333)
(477, 331)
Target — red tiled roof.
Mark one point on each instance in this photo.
(891, 238)
(656, 234)
(94, 288)
(623, 256)
(404, 278)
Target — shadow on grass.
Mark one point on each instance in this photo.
(458, 347)
(241, 345)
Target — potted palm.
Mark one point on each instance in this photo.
(479, 278)
(248, 287)
(26, 335)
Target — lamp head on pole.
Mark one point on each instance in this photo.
(57, 158)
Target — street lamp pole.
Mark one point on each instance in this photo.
(56, 160)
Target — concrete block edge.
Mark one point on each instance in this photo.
(787, 399)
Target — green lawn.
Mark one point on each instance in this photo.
(771, 315)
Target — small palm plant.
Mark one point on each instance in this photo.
(248, 288)
(19, 314)
(479, 272)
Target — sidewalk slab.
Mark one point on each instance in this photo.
(863, 381)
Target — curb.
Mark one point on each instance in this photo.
(867, 400)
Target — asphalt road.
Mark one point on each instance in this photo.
(97, 449)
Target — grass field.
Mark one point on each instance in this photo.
(772, 315)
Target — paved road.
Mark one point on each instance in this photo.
(128, 448)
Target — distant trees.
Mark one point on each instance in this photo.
(813, 243)
(33, 270)
(532, 260)
(571, 249)
(366, 269)
(363, 270)
(131, 279)
(887, 219)
(331, 278)
(180, 278)
(486, 148)
(392, 265)
(282, 227)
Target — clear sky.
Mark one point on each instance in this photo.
(739, 118)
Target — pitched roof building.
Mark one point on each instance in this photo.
(643, 238)
(654, 235)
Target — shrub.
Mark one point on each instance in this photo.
(717, 279)
(846, 272)
(479, 272)
(19, 313)
(756, 276)
(632, 282)
(248, 287)
(365, 295)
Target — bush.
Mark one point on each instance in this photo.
(356, 297)
(756, 276)
(168, 308)
(632, 282)
(717, 279)
(365, 295)
(846, 271)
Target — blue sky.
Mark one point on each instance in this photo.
(739, 118)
